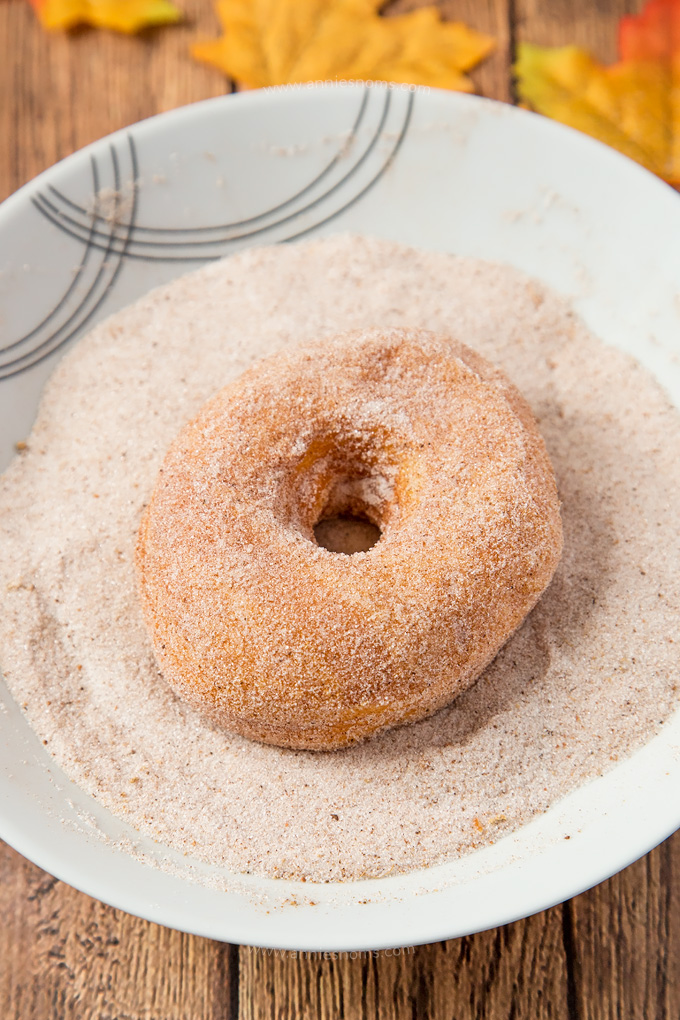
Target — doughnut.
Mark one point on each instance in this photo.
(275, 637)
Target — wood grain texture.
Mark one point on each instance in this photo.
(59, 92)
(65, 955)
(611, 954)
(588, 23)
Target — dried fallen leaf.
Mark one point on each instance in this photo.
(275, 42)
(633, 105)
(121, 15)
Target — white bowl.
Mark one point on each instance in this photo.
(434, 169)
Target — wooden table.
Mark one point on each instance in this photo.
(613, 952)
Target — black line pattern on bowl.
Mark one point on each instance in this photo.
(107, 273)
(71, 287)
(151, 248)
(367, 187)
(235, 224)
(121, 242)
(176, 251)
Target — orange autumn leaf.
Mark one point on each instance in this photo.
(275, 42)
(632, 105)
(121, 15)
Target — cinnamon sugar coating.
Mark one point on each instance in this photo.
(278, 639)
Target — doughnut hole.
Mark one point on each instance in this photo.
(347, 523)
(342, 487)
(346, 534)
(350, 519)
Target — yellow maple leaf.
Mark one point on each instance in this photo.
(275, 42)
(121, 15)
(633, 105)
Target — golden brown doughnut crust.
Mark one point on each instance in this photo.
(281, 640)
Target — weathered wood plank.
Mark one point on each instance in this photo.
(65, 955)
(626, 942)
(60, 92)
(513, 971)
(588, 23)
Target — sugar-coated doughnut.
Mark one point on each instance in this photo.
(281, 640)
